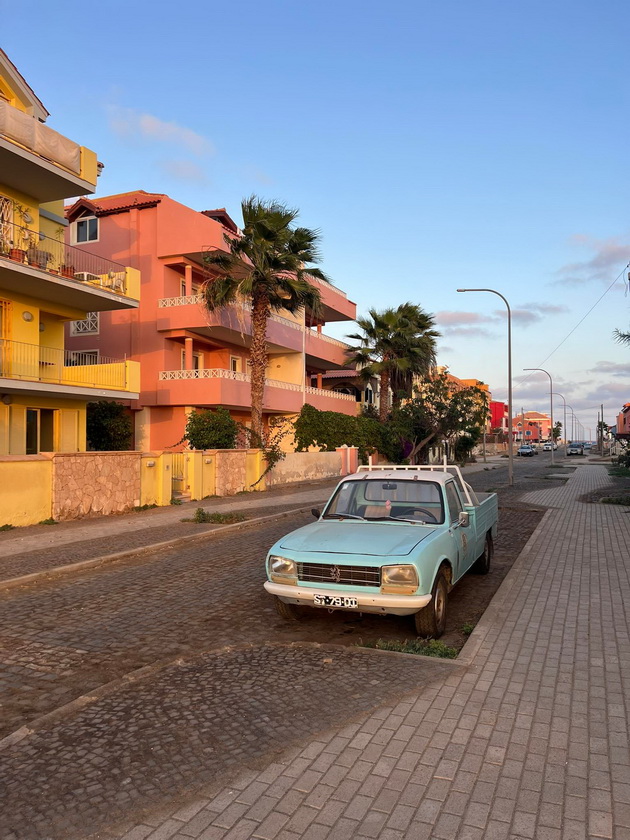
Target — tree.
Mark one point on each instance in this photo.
(211, 429)
(395, 346)
(557, 431)
(268, 267)
(438, 413)
(109, 427)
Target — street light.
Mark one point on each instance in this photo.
(542, 370)
(509, 338)
(564, 427)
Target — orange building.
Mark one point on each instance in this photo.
(191, 358)
(537, 426)
(623, 423)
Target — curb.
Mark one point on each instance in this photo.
(139, 674)
(81, 565)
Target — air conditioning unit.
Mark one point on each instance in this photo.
(87, 277)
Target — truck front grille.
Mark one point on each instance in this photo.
(344, 575)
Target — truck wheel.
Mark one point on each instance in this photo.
(287, 611)
(482, 564)
(431, 621)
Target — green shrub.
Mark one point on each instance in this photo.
(202, 516)
(330, 429)
(211, 429)
(422, 647)
(109, 427)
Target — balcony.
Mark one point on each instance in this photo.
(38, 161)
(233, 326)
(47, 269)
(50, 370)
(216, 386)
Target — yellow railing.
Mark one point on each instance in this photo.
(34, 363)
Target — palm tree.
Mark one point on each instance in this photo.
(395, 345)
(266, 266)
(622, 337)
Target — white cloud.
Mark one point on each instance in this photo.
(133, 124)
(183, 170)
(609, 257)
(449, 318)
(611, 368)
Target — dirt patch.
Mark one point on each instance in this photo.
(619, 487)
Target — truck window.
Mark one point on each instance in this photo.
(454, 503)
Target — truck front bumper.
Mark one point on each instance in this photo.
(367, 602)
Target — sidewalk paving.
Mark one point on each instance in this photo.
(529, 741)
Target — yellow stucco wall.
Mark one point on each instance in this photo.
(69, 426)
(25, 490)
(288, 367)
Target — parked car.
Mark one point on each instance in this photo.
(525, 451)
(575, 449)
(549, 446)
(390, 541)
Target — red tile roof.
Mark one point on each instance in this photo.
(116, 203)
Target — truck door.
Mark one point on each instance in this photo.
(462, 543)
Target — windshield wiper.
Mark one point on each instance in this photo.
(394, 519)
(343, 516)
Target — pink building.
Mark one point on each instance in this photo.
(537, 427)
(191, 358)
(499, 417)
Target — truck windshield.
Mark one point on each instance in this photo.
(375, 499)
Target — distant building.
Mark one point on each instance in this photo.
(623, 423)
(532, 426)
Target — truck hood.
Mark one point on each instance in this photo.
(351, 537)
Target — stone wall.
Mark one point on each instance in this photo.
(94, 483)
(231, 471)
(305, 466)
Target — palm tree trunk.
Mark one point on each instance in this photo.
(258, 352)
(383, 409)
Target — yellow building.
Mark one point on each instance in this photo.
(44, 283)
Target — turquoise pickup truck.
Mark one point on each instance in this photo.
(391, 540)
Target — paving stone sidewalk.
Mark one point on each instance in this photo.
(528, 742)
(41, 548)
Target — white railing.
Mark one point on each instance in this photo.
(165, 303)
(222, 373)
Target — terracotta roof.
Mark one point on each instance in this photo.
(120, 203)
(221, 215)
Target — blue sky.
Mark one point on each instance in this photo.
(436, 145)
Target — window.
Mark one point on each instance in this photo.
(454, 503)
(87, 229)
(236, 364)
(81, 357)
(197, 361)
(88, 326)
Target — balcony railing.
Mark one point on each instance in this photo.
(221, 373)
(30, 247)
(33, 363)
(33, 135)
(165, 303)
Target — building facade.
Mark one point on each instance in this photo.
(45, 284)
(531, 427)
(191, 358)
(622, 426)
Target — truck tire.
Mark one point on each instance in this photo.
(287, 611)
(431, 621)
(482, 564)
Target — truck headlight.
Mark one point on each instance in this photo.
(282, 569)
(400, 580)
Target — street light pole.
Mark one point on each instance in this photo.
(509, 355)
(564, 427)
(542, 370)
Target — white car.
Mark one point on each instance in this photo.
(549, 446)
(575, 449)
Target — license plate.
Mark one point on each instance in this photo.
(335, 601)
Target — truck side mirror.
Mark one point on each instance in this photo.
(316, 513)
(464, 519)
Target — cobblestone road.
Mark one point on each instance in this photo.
(64, 638)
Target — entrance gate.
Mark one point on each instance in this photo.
(179, 475)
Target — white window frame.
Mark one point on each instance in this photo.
(197, 354)
(75, 230)
(76, 354)
(236, 364)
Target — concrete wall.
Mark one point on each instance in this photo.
(305, 466)
(25, 489)
(93, 483)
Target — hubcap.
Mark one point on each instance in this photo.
(440, 604)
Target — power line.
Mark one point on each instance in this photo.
(599, 299)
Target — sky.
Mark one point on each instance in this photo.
(435, 145)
